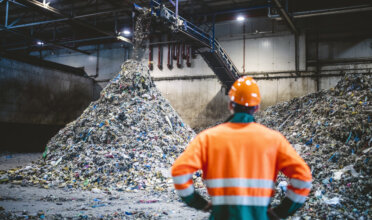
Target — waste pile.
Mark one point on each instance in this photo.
(331, 130)
(126, 140)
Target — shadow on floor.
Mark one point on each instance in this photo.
(17, 137)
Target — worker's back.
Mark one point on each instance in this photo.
(240, 162)
(240, 169)
(241, 150)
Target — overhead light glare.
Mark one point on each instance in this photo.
(240, 18)
(126, 32)
(45, 3)
(40, 43)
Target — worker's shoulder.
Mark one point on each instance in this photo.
(212, 129)
(231, 126)
(220, 128)
(262, 128)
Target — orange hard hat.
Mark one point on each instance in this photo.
(245, 92)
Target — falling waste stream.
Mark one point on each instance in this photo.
(128, 139)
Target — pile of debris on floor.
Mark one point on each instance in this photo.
(127, 140)
(331, 130)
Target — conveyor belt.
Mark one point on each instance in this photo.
(210, 49)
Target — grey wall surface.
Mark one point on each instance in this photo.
(37, 101)
(104, 60)
(269, 56)
(37, 95)
(199, 102)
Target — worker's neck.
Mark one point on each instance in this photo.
(242, 117)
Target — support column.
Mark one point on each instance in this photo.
(317, 70)
(244, 48)
(6, 13)
(297, 56)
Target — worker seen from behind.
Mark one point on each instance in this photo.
(240, 160)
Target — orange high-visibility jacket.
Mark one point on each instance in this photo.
(240, 164)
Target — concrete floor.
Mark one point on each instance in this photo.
(71, 204)
(59, 203)
(13, 160)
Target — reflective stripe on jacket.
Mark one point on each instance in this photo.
(240, 163)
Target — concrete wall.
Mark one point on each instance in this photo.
(266, 54)
(341, 49)
(104, 60)
(269, 55)
(37, 101)
(38, 95)
(269, 47)
(199, 102)
(202, 102)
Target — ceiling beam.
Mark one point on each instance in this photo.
(64, 19)
(43, 40)
(116, 4)
(286, 17)
(55, 13)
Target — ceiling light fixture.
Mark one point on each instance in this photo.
(123, 39)
(126, 32)
(240, 18)
(40, 43)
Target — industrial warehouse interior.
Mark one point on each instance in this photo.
(185, 109)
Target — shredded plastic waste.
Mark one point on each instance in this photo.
(126, 140)
(331, 130)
